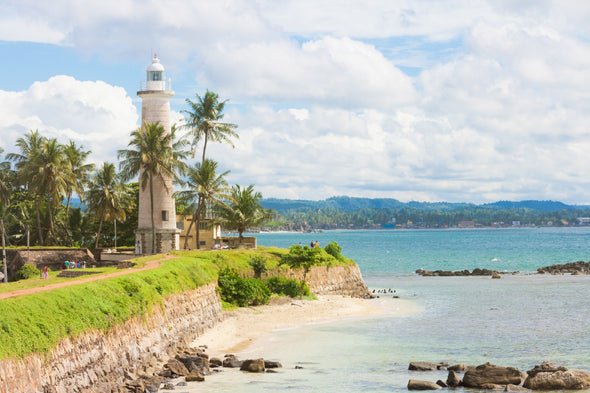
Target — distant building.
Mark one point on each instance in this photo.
(515, 223)
(466, 224)
(583, 220)
(209, 235)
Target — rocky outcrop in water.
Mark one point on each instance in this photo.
(573, 268)
(547, 376)
(474, 272)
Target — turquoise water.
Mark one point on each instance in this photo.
(520, 320)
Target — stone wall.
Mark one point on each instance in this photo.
(334, 280)
(92, 361)
(95, 361)
(52, 257)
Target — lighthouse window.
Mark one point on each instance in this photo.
(155, 75)
(164, 215)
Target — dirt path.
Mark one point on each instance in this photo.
(20, 292)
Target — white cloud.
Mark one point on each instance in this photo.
(94, 114)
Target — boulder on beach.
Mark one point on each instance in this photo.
(458, 368)
(422, 385)
(253, 365)
(231, 361)
(491, 374)
(272, 364)
(176, 367)
(195, 377)
(453, 380)
(547, 376)
(424, 366)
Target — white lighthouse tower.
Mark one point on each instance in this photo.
(155, 108)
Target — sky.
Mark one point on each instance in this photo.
(423, 100)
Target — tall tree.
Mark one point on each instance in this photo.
(205, 186)
(151, 155)
(243, 210)
(107, 197)
(80, 169)
(203, 120)
(52, 178)
(4, 202)
(29, 147)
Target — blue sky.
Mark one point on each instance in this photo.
(420, 100)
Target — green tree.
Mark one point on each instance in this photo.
(205, 186)
(29, 147)
(304, 258)
(243, 210)
(5, 193)
(152, 156)
(107, 197)
(52, 177)
(203, 120)
(81, 170)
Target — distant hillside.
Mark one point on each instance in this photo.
(351, 203)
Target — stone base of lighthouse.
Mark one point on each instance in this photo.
(166, 240)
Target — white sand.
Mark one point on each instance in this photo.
(245, 325)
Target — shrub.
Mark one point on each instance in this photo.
(258, 263)
(242, 291)
(27, 271)
(286, 286)
(334, 249)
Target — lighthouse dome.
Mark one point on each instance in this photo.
(155, 66)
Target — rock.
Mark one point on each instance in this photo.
(195, 376)
(492, 386)
(215, 362)
(422, 385)
(423, 366)
(176, 367)
(168, 386)
(459, 368)
(453, 379)
(152, 384)
(491, 374)
(195, 363)
(442, 383)
(136, 386)
(557, 380)
(231, 361)
(271, 364)
(253, 365)
(496, 276)
(515, 388)
(545, 367)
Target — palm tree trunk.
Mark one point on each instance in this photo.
(152, 210)
(198, 222)
(4, 264)
(204, 147)
(98, 233)
(188, 232)
(51, 228)
(39, 232)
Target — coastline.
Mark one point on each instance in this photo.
(241, 328)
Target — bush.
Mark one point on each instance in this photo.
(286, 286)
(242, 291)
(334, 249)
(27, 271)
(258, 263)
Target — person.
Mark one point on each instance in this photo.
(312, 244)
(45, 274)
(67, 263)
(79, 266)
(63, 266)
(317, 244)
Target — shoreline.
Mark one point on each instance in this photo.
(242, 328)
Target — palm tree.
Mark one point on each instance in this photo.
(4, 202)
(107, 196)
(52, 177)
(76, 157)
(243, 210)
(29, 147)
(204, 121)
(205, 186)
(152, 157)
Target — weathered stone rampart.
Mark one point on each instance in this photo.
(96, 361)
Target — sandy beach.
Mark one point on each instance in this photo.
(244, 326)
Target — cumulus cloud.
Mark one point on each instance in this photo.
(94, 114)
(496, 106)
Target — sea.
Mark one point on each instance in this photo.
(520, 320)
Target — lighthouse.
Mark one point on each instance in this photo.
(155, 108)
